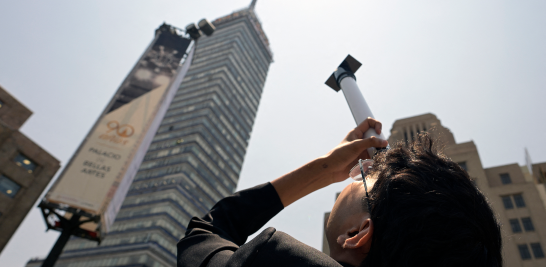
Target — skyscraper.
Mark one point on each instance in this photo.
(197, 154)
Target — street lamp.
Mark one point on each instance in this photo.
(204, 27)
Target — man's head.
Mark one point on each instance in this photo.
(425, 212)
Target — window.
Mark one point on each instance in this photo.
(516, 227)
(507, 201)
(537, 250)
(8, 187)
(505, 178)
(463, 165)
(1, 103)
(527, 224)
(518, 199)
(524, 252)
(25, 162)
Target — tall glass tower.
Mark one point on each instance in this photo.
(197, 154)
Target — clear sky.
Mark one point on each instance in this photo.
(480, 66)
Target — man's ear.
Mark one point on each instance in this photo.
(357, 238)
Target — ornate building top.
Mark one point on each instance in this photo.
(251, 15)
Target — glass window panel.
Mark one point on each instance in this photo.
(463, 165)
(524, 252)
(1, 103)
(507, 201)
(8, 187)
(505, 178)
(518, 199)
(514, 224)
(527, 224)
(25, 162)
(537, 250)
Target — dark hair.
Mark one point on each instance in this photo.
(427, 212)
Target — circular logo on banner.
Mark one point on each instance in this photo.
(124, 130)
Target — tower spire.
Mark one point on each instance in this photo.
(252, 5)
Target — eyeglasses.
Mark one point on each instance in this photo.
(361, 169)
(359, 173)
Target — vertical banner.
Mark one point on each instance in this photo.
(115, 204)
(100, 173)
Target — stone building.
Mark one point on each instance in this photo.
(516, 193)
(25, 168)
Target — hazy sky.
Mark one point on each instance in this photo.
(480, 66)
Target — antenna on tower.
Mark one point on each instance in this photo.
(252, 5)
(528, 161)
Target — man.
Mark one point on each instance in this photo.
(424, 211)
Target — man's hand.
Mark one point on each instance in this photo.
(344, 156)
(332, 168)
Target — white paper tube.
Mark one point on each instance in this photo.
(358, 107)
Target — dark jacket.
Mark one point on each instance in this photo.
(218, 239)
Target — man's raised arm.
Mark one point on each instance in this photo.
(331, 168)
(217, 239)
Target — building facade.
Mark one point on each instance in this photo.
(516, 193)
(196, 155)
(25, 168)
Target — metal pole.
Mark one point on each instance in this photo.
(68, 229)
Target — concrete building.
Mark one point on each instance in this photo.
(517, 194)
(25, 168)
(197, 153)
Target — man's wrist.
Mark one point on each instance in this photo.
(306, 179)
(325, 169)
